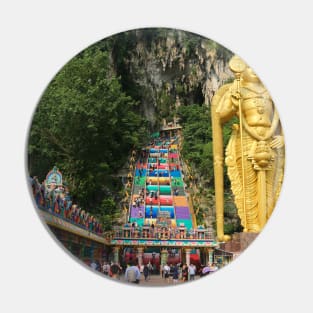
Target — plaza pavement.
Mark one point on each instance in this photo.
(156, 281)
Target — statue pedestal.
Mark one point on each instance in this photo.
(239, 242)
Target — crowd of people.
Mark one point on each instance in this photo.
(183, 272)
(170, 273)
(56, 199)
(174, 273)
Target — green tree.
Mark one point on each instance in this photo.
(108, 213)
(86, 126)
(198, 151)
(197, 133)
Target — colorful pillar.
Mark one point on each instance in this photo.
(116, 251)
(187, 251)
(210, 255)
(140, 255)
(164, 256)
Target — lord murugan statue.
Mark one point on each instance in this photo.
(255, 152)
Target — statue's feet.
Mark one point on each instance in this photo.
(227, 237)
(224, 238)
(254, 228)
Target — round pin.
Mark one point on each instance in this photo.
(155, 157)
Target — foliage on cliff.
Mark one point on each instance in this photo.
(197, 151)
(86, 125)
(96, 109)
(197, 133)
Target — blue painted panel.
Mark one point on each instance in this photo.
(143, 172)
(169, 209)
(175, 173)
(155, 210)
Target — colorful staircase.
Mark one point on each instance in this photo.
(158, 187)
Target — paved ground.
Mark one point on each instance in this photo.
(156, 281)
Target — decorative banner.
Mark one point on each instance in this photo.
(164, 243)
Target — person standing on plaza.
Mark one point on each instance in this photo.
(105, 268)
(175, 274)
(171, 270)
(93, 265)
(141, 267)
(180, 268)
(166, 271)
(132, 274)
(185, 272)
(192, 271)
(146, 272)
(115, 271)
(150, 268)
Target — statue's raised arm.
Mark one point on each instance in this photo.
(255, 151)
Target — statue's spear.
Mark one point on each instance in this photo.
(237, 66)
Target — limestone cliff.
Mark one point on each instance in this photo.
(165, 68)
(161, 67)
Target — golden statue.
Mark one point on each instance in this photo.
(255, 151)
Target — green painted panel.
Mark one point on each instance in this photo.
(165, 190)
(140, 181)
(139, 221)
(177, 182)
(188, 223)
(153, 187)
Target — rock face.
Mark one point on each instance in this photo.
(165, 68)
(162, 68)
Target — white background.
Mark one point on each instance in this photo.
(39, 37)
